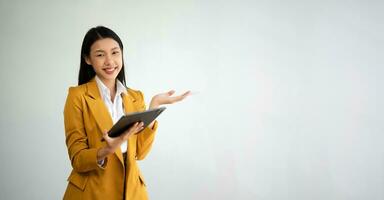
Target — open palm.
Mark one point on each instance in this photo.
(167, 98)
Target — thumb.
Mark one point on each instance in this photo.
(105, 134)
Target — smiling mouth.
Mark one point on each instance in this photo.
(110, 70)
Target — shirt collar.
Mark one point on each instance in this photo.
(104, 91)
(120, 88)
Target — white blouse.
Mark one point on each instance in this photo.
(115, 107)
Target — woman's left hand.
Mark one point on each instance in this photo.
(166, 98)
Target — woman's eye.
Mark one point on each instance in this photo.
(99, 55)
(115, 52)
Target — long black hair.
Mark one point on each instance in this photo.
(87, 72)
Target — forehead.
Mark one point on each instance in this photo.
(105, 44)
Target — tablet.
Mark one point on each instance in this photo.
(127, 121)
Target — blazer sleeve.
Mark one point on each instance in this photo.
(146, 137)
(83, 158)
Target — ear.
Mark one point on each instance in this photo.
(87, 60)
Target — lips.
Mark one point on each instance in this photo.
(109, 70)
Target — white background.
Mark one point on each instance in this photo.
(289, 99)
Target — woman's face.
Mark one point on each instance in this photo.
(106, 59)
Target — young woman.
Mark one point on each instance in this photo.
(106, 169)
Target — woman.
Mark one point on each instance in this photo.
(106, 169)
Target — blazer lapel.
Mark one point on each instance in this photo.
(100, 112)
(128, 102)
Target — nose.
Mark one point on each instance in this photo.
(108, 60)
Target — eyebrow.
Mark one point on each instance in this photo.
(99, 50)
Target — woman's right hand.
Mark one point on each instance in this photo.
(113, 143)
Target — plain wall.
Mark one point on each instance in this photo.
(288, 103)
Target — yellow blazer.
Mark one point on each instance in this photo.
(85, 117)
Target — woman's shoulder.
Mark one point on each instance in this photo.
(76, 92)
(80, 89)
(75, 96)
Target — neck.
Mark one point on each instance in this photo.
(111, 85)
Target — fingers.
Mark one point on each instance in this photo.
(105, 133)
(134, 129)
(180, 97)
(171, 92)
(137, 127)
(186, 93)
(105, 136)
(167, 98)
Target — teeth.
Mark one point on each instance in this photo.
(109, 69)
